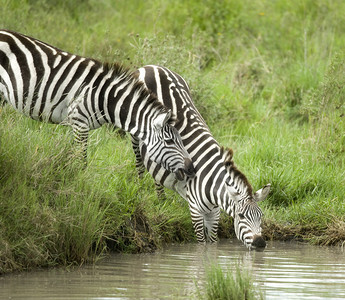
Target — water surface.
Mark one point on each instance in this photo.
(282, 271)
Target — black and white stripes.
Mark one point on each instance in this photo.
(218, 184)
(51, 85)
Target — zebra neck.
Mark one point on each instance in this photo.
(239, 181)
(130, 106)
(235, 179)
(229, 208)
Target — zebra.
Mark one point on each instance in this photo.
(218, 183)
(51, 85)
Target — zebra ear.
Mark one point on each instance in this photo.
(160, 121)
(262, 193)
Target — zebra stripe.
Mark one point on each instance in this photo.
(51, 85)
(218, 184)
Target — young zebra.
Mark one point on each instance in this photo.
(218, 184)
(51, 85)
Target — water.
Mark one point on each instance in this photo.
(282, 271)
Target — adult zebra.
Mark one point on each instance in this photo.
(51, 85)
(218, 184)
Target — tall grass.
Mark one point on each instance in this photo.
(268, 77)
(228, 285)
(53, 211)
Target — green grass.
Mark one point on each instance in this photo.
(228, 285)
(55, 212)
(269, 79)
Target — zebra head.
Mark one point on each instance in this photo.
(165, 147)
(247, 217)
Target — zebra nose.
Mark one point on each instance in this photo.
(258, 242)
(189, 167)
(179, 175)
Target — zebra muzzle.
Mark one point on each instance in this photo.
(179, 174)
(189, 169)
(258, 242)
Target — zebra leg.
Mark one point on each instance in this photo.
(211, 221)
(139, 164)
(198, 224)
(160, 191)
(80, 134)
(80, 126)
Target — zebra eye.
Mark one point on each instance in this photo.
(241, 216)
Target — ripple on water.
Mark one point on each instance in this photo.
(282, 271)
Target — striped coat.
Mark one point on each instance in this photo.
(218, 184)
(48, 84)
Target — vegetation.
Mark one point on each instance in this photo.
(230, 285)
(55, 212)
(267, 76)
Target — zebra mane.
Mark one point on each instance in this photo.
(119, 69)
(153, 98)
(227, 154)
